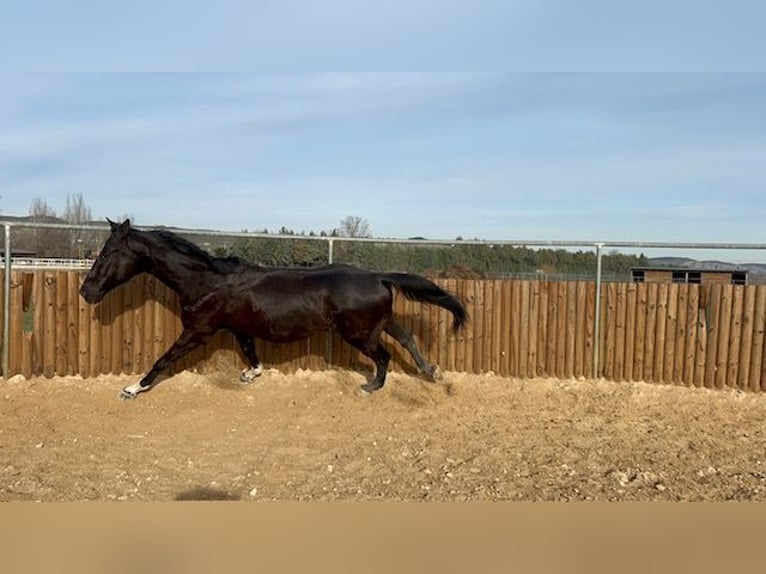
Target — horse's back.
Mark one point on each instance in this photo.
(334, 281)
(289, 304)
(333, 272)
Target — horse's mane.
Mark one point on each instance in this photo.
(190, 249)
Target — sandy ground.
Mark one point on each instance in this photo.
(311, 436)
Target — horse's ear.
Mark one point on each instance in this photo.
(123, 227)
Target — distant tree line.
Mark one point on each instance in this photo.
(456, 259)
(459, 259)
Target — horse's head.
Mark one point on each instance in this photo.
(119, 260)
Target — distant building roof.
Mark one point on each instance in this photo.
(731, 269)
(17, 252)
(734, 275)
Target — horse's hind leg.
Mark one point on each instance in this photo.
(248, 349)
(369, 344)
(381, 358)
(407, 341)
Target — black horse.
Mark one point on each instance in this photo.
(274, 304)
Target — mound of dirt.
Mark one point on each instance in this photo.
(312, 436)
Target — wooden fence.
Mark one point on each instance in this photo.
(697, 335)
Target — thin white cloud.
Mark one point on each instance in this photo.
(554, 156)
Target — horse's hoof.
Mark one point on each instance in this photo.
(369, 388)
(249, 375)
(126, 395)
(436, 373)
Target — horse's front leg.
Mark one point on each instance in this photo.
(186, 342)
(248, 349)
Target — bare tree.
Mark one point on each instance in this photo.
(354, 226)
(41, 212)
(41, 241)
(76, 211)
(50, 242)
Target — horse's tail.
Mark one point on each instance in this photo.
(419, 288)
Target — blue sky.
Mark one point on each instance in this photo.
(360, 35)
(646, 157)
(602, 132)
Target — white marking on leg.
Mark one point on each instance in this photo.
(247, 375)
(135, 388)
(131, 391)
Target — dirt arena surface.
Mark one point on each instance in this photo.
(311, 436)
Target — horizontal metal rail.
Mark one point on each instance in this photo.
(49, 263)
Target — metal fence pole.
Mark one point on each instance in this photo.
(7, 300)
(597, 314)
(328, 334)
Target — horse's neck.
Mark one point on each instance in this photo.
(189, 278)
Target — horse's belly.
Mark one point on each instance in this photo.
(284, 328)
(283, 334)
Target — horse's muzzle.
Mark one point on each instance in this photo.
(90, 294)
